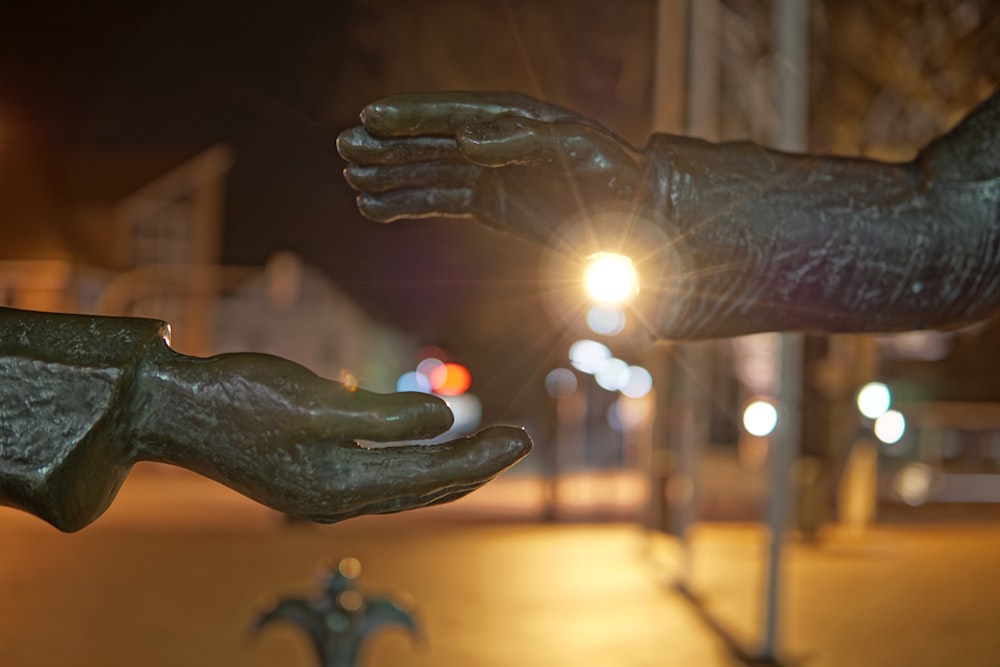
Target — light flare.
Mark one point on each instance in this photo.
(610, 278)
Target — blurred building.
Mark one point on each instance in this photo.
(139, 233)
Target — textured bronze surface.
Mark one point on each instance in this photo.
(83, 398)
(744, 239)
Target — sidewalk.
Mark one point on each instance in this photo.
(178, 568)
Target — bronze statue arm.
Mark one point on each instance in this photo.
(83, 398)
(731, 238)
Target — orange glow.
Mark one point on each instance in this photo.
(348, 379)
(450, 379)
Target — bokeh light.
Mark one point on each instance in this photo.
(612, 374)
(413, 381)
(640, 382)
(586, 355)
(606, 320)
(450, 379)
(560, 383)
(427, 365)
(890, 427)
(610, 278)
(874, 399)
(468, 412)
(760, 417)
(913, 483)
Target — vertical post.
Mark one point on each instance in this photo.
(790, 38)
(791, 41)
(784, 445)
(669, 86)
(704, 70)
(670, 67)
(702, 120)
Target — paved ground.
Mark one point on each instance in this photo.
(176, 570)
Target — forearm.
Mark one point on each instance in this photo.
(769, 241)
(219, 416)
(63, 438)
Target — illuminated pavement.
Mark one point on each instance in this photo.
(174, 573)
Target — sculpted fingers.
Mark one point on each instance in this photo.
(381, 417)
(425, 473)
(384, 178)
(416, 204)
(356, 144)
(473, 459)
(511, 140)
(416, 114)
(351, 480)
(413, 178)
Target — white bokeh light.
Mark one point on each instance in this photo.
(640, 382)
(874, 399)
(760, 417)
(890, 427)
(606, 320)
(468, 412)
(586, 355)
(612, 374)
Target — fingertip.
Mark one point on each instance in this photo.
(373, 208)
(506, 444)
(349, 174)
(339, 141)
(349, 140)
(369, 112)
(429, 415)
(377, 114)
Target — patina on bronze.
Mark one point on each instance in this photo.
(749, 239)
(83, 398)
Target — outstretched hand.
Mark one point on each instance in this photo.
(513, 162)
(284, 436)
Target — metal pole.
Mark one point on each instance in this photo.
(669, 86)
(702, 120)
(670, 66)
(782, 455)
(791, 33)
(791, 47)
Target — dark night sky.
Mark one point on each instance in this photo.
(262, 77)
(268, 79)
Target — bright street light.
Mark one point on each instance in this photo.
(610, 278)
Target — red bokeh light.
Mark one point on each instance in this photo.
(450, 379)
